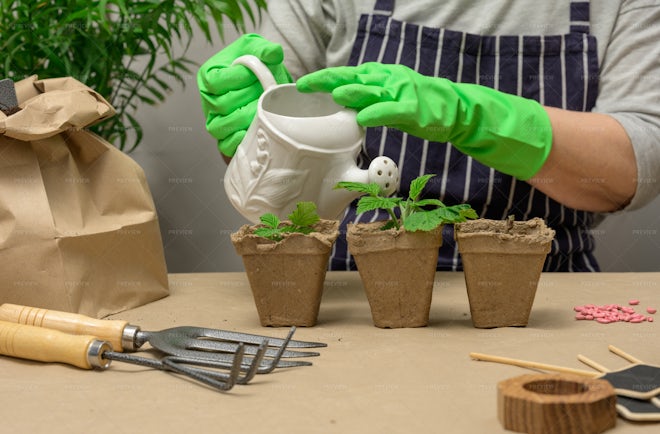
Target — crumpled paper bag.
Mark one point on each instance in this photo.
(78, 227)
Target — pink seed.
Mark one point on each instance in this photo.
(649, 319)
(637, 320)
(580, 316)
(651, 310)
(603, 320)
(633, 302)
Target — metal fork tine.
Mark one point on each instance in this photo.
(250, 370)
(248, 338)
(273, 363)
(214, 379)
(251, 349)
(254, 366)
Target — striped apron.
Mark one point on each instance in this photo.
(555, 70)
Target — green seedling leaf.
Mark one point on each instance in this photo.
(274, 234)
(423, 221)
(270, 220)
(369, 203)
(372, 189)
(417, 185)
(297, 229)
(304, 214)
(467, 212)
(302, 220)
(429, 202)
(456, 213)
(414, 213)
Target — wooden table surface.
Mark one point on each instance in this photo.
(367, 380)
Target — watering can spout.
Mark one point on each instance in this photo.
(332, 202)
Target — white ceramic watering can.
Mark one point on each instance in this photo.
(297, 148)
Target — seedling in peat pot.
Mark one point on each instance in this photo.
(302, 220)
(415, 214)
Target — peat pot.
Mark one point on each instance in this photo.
(397, 269)
(286, 277)
(502, 262)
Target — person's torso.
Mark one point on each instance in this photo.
(558, 70)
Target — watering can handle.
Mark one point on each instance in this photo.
(255, 65)
(47, 345)
(73, 323)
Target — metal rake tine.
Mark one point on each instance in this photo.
(273, 364)
(256, 362)
(210, 378)
(248, 338)
(172, 364)
(212, 346)
(250, 371)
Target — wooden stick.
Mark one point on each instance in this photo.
(533, 365)
(623, 354)
(587, 361)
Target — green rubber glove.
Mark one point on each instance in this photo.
(506, 132)
(230, 93)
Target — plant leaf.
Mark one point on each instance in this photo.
(270, 220)
(270, 233)
(417, 185)
(467, 212)
(360, 187)
(298, 229)
(304, 214)
(427, 202)
(369, 203)
(455, 213)
(111, 46)
(423, 221)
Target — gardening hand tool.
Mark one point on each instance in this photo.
(189, 342)
(506, 132)
(230, 92)
(88, 352)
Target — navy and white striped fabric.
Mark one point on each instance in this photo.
(556, 70)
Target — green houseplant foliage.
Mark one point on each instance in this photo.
(125, 50)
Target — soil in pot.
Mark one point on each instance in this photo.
(397, 269)
(286, 277)
(502, 262)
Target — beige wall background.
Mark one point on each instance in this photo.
(185, 173)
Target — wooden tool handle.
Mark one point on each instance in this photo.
(46, 345)
(73, 323)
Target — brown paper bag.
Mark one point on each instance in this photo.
(78, 226)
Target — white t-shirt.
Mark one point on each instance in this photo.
(319, 34)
